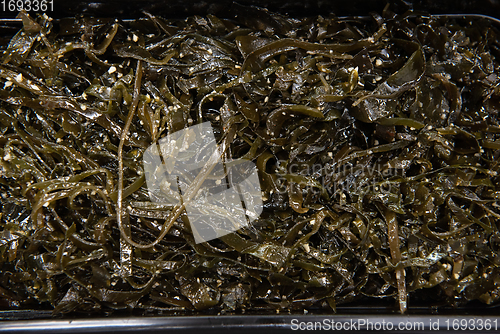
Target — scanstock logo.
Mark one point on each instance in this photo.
(229, 197)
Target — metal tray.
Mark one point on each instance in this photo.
(354, 317)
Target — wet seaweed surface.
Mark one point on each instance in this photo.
(377, 143)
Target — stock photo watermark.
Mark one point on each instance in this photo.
(220, 195)
(411, 324)
(336, 178)
(223, 195)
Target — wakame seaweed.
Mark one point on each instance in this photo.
(377, 143)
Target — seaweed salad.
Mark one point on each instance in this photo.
(377, 143)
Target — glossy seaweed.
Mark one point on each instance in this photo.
(377, 143)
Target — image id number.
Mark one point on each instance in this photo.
(27, 5)
(471, 324)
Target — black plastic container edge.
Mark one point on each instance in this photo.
(265, 324)
(177, 8)
(488, 9)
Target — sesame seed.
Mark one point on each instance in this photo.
(307, 248)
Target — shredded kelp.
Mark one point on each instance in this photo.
(377, 143)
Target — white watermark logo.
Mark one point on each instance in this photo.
(229, 197)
